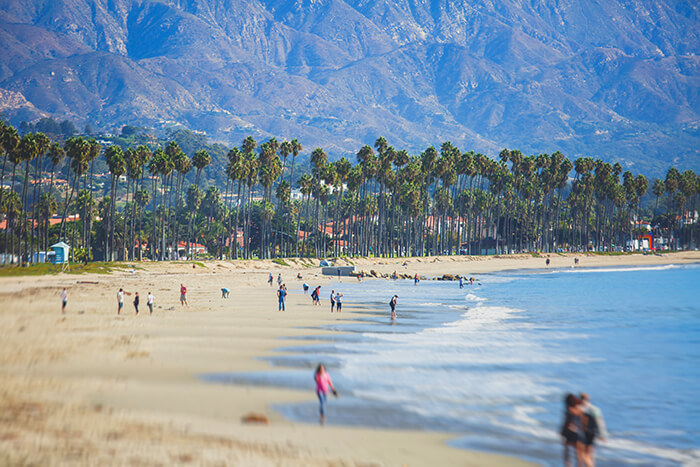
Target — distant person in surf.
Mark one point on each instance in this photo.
(461, 282)
(323, 384)
(392, 305)
(416, 279)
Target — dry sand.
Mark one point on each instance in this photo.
(93, 388)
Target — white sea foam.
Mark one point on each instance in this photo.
(474, 298)
(628, 269)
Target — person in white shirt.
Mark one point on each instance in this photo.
(64, 300)
(149, 301)
(338, 302)
(120, 301)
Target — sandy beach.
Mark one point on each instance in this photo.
(94, 388)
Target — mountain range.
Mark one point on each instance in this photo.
(618, 79)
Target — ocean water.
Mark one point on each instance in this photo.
(492, 362)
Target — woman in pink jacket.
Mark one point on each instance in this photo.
(323, 383)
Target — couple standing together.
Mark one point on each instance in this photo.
(583, 424)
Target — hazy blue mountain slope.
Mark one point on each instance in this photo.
(617, 79)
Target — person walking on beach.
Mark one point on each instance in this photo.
(279, 279)
(120, 301)
(183, 295)
(149, 301)
(323, 383)
(416, 280)
(316, 296)
(594, 428)
(270, 279)
(338, 270)
(136, 302)
(281, 294)
(332, 300)
(547, 262)
(64, 300)
(392, 304)
(338, 302)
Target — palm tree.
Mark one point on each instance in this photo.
(658, 190)
(200, 160)
(117, 167)
(9, 140)
(43, 144)
(77, 149)
(318, 161)
(47, 207)
(183, 165)
(27, 150)
(136, 161)
(175, 159)
(270, 169)
(305, 185)
(342, 169)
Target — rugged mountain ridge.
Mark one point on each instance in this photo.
(618, 79)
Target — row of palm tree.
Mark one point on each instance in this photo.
(389, 203)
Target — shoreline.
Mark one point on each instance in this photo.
(90, 385)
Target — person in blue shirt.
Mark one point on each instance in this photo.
(281, 294)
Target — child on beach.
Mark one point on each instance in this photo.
(149, 302)
(183, 295)
(392, 304)
(64, 300)
(323, 383)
